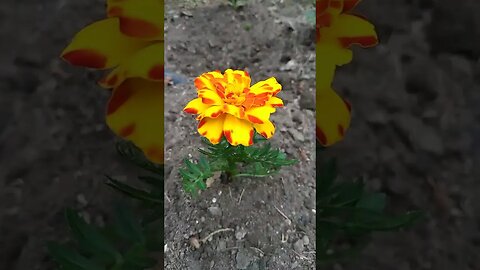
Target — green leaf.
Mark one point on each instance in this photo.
(358, 219)
(326, 177)
(374, 202)
(134, 192)
(131, 152)
(204, 163)
(154, 234)
(88, 236)
(340, 255)
(127, 224)
(346, 193)
(71, 259)
(156, 182)
(193, 167)
(137, 258)
(378, 222)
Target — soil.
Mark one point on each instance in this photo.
(262, 41)
(414, 134)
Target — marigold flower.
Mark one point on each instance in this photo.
(228, 106)
(130, 42)
(337, 29)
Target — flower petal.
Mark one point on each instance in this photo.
(135, 112)
(238, 77)
(207, 80)
(238, 131)
(147, 63)
(321, 6)
(268, 86)
(275, 102)
(351, 29)
(141, 19)
(349, 5)
(212, 128)
(233, 110)
(213, 112)
(101, 45)
(333, 117)
(259, 115)
(210, 97)
(328, 57)
(196, 106)
(266, 129)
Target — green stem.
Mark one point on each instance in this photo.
(230, 170)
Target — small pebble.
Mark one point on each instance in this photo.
(240, 234)
(306, 240)
(215, 211)
(299, 246)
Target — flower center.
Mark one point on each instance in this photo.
(234, 96)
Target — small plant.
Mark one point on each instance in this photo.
(233, 116)
(236, 4)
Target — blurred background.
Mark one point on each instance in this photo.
(414, 133)
(415, 130)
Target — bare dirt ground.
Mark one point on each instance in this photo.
(414, 134)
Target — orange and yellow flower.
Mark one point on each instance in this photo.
(228, 106)
(337, 29)
(130, 42)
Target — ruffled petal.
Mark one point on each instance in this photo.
(351, 29)
(212, 128)
(213, 112)
(333, 117)
(147, 63)
(101, 45)
(140, 19)
(238, 131)
(240, 78)
(268, 86)
(321, 6)
(259, 115)
(233, 110)
(207, 80)
(196, 106)
(267, 129)
(210, 97)
(328, 57)
(275, 102)
(135, 112)
(349, 5)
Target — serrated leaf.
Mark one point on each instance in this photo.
(70, 259)
(127, 224)
(359, 219)
(131, 152)
(346, 193)
(89, 236)
(192, 167)
(152, 180)
(137, 258)
(373, 201)
(387, 223)
(326, 177)
(134, 192)
(204, 163)
(201, 184)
